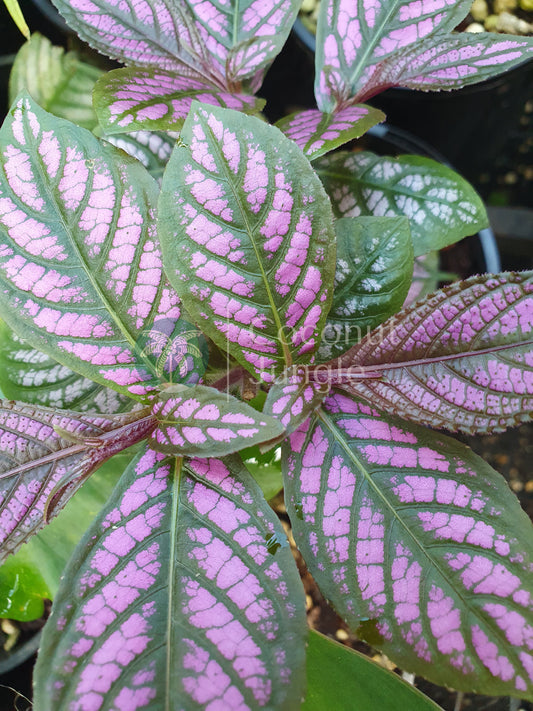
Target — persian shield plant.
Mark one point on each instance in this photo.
(249, 293)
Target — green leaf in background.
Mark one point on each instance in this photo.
(372, 279)
(32, 575)
(341, 679)
(58, 81)
(442, 207)
(265, 467)
(33, 377)
(18, 18)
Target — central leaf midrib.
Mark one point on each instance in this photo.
(250, 232)
(376, 38)
(177, 474)
(68, 231)
(474, 612)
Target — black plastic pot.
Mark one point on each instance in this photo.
(484, 130)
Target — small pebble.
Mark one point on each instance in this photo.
(479, 10)
(308, 602)
(475, 27)
(491, 23)
(308, 5)
(342, 635)
(512, 25)
(504, 6)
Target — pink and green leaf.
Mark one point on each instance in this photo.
(158, 100)
(79, 259)
(31, 576)
(247, 34)
(46, 455)
(143, 33)
(353, 38)
(442, 207)
(418, 544)
(292, 400)
(318, 133)
(183, 594)
(247, 236)
(374, 271)
(461, 359)
(246, 61)
(201, 421)
(28, 375)
(449, 61)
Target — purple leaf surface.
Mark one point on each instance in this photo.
(318, 133)
(45, 453)
(201, 421)
(33, 377)
(254, 29)
(461, 359)
(419, 545)
(142, 32)
(449, 61)
(292, 400)
(247, 238)
(442, 207)
(158, 100)
(79, 257)
(355, 36)
(183, 594)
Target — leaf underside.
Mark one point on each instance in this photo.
(44, 452)
(461, 359)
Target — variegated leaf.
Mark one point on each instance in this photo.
(426, 276)
(247, 237)
(355, 36)
(374, 270)
(59, 82)
(418, 544)
(45, 456)
(247, 60)
(158, 100)
(183, 594)
(461, 359)
(33, 377)
(292, 399)
(254, 29)
(152, 149)
(317, 133)
(142, 32)
(201, 421)
(449, 61)
(442, 207)
(79, 258)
